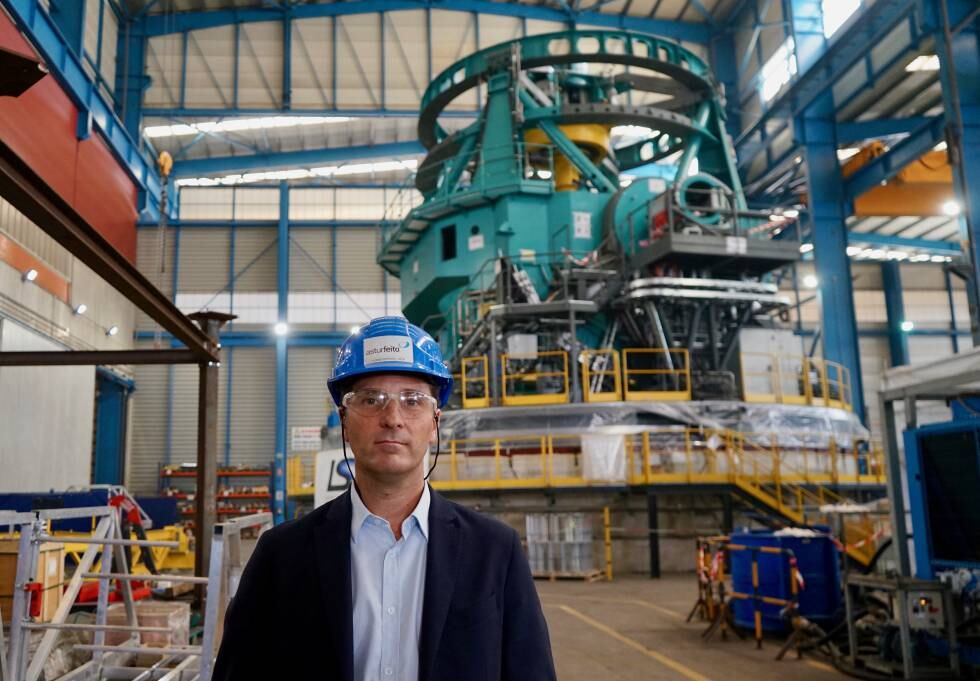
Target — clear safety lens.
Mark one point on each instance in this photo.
(371, 402)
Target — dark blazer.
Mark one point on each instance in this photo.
(292, 616)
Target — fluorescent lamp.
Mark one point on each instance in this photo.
(907, 326)
(355, 328)
(806, 248)
(30, 275)
(281, 328)
(112, 330)
(300, 173)
(924, 62)
(238, 125)
(811, 281)
(81, 308)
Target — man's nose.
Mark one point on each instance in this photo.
(391, 413)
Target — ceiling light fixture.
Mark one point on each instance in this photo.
(952, 208)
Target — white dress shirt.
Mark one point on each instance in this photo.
(388, 583)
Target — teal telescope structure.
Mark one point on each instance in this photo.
(593, 207)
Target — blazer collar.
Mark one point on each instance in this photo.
(332, 545)
(442, 556)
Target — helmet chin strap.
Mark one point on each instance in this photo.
(353, 477)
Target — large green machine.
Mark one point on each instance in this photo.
(594, 205)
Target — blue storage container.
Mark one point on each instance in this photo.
(162, 510)
(818, 561)
(32, 501)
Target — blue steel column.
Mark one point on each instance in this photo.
(829, 231)
(816, 131)
(279, 462)
(131, 79)
(898, 342)
(957, 32)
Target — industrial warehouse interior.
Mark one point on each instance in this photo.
(694, 286)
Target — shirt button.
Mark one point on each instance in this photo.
(388, 671)
(391, 611)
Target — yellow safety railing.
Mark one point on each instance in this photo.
(790, 473)
(792, 371)
(600, 383)
(785, 379)
(536, 385)
(475, 383)
(656, 374)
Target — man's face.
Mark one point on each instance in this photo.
(390, 446)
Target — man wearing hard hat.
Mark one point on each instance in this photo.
(390, 581)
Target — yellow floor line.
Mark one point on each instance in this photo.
(687, 672)
(628, 601)
(654, 606)
(820, 665)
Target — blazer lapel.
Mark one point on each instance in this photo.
(332, 545)
(442, 556)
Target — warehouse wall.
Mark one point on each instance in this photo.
(334, 284)
(680, 519)
(46, 413)
(925, 299)
(46, 417)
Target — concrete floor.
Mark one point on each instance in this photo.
(633, 629)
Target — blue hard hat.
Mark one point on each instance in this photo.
(386, 345)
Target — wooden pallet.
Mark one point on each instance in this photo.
(593, 576)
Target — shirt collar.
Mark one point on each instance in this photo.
(360, 512)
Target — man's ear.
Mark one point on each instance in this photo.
(435, 422)
(342, 413)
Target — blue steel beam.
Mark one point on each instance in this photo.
(898, 342)
(886, 166)
(857, 131)
(846, 49)
(40, 29)
(178, 22)
(263, 339)
(874, 239)
(224, 165)
(234, 224)
(213, 112)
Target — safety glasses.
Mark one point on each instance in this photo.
(370, 402)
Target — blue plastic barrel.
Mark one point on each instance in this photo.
(818, 561)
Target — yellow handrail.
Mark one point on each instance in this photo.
(601, 376)
(664, 376)
(475, 389)
(510, 397)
